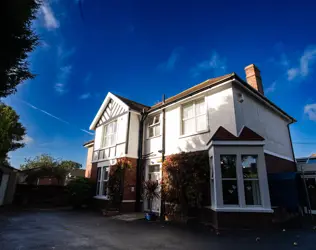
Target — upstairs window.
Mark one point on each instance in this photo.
(154, 126)
(109, 134)
(194, 118)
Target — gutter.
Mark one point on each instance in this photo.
(162, 205)
(139, 170)
(288, 129)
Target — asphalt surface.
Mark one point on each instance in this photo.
(86, 230)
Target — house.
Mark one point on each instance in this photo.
(306, 167)
(49, 180)
(231, 119)
(8, 179)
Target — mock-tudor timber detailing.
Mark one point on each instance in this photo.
(245, 134)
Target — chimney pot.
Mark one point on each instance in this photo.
(254, 78)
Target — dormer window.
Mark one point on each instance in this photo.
(154, 126)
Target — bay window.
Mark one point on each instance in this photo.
(240, 180)
(154, 126)
(109, 134)
(194, 117)
(102, 180)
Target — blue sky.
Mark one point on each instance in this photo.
(143, 49)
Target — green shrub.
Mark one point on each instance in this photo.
(81, 192)
(186, 181)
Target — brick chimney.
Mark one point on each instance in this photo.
(254, 78)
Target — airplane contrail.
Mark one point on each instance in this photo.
(53, 116)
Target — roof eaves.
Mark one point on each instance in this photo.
(229, 77)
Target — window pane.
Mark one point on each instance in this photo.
(188, 126)
(114, 127)
(201, 123)
(252, 192)
(151, 120)
(200, 107)
(228, 166)
(154, 168)
(157, 130)
(112, 139)
(109, 129)
(157, 118)
(249, 166)
(106, 141)
(105, 174)
(187, 111)
(99, 174)
(98, 188)
(230, 192)
(151, 131)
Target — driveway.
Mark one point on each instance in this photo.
(86, 230)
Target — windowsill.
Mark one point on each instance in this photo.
(101, 197)
(149, 138)
(195, 133)
(242, 209)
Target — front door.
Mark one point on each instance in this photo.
(154, 174)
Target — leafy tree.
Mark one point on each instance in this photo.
(43, 160)
(47, 166)
(17, 40)
(11, 132)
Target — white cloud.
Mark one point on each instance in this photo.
(62, 78)
(50, 20)
(85, 96)
(64, 70)
(303, 69)
(27, 139)
(172, 60)
(44, 45)
(271, 88)
(63, 53)
(215, 63)
(310, 111)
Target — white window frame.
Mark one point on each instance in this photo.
(101, 182)
(104, 135)
(218, 204)
(195, 131)
(153, 126)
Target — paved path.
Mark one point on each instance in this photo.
(84, 230)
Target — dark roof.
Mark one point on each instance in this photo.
(88, 142)
(211, 83)
(192, 90)
(246, 134)
(132, 104)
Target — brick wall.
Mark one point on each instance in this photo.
(130, 181)
(89, 162)
(278, 165)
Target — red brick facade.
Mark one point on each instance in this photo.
(129, 193)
